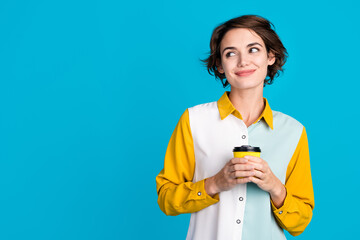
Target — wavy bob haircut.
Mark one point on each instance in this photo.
(261, 27)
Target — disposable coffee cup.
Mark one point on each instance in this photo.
(246, 150)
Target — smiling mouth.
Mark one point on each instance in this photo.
(245, 73)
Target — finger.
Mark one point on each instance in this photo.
(242, 174)
(260, 175)
(255, 180)
(241, 167)
(238, 160)
(242, 180)
(259, 167)
(253, 159)
(235, 181)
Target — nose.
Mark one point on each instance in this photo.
(243, 60)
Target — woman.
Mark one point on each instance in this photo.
(239, 198)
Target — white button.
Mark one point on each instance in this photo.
(199, 193)
(243, 136)
(280, 212)
(241, 198)
(238, 221)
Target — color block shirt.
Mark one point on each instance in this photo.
(202, 144)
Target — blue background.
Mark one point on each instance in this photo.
(90, 92)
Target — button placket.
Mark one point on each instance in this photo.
(240, 197)
(243, 133)
(240, 210)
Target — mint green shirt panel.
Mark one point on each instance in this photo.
(277, 148)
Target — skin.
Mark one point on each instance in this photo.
(242, 49)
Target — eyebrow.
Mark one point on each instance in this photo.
(249, 45)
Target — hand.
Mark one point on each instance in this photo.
(236, 171)
(265, 179)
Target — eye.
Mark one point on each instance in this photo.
(253, 50)
(230, 54)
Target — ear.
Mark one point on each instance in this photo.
(219, 67)
(271, 58)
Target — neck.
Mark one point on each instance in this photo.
(249, 103)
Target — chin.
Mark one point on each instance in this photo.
(246, 85)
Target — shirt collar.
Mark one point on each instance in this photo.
(226, 108)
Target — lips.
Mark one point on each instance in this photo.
(245, 73)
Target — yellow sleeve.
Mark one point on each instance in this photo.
(176, 192)
(296, 212)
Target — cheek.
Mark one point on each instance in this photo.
(229, 64)
(262, 63)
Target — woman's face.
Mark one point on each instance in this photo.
(244, 58)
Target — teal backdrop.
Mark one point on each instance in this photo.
(90, 92)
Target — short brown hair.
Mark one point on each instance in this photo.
(260, 26)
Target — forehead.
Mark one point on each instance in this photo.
(240, 37)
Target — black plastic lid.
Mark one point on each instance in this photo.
(246, 148)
